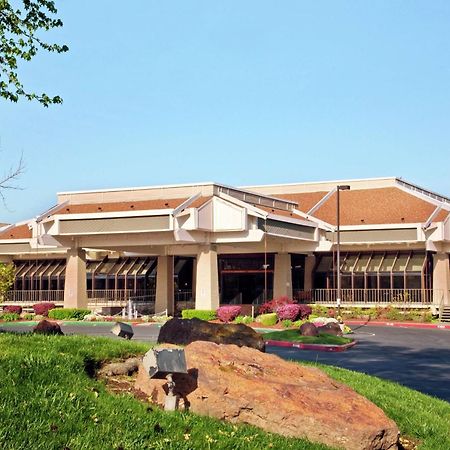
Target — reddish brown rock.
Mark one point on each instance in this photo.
(248, 386)
(332, 328)
(308, 329)
(185, 331)
(47, 327)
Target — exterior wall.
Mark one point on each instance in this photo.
(164, 285)
(441, 278)
(207, 279)
(282, 283)
(75, 282)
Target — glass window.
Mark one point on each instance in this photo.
(416, 263)
(374, 263)
(346, 281)
(348, 264)
(388, 263)
(385, 281)
(399, 282)
(358, 281)
(414, 281)
(400, 263)
(372, 282)
(325, 264)
(361, 264)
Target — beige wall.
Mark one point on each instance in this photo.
(207, 279)
(441, 277)
(282, 278)
(164, 285)
(75, 279)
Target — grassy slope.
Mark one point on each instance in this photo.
(417, 415)
(48, 402)
(295, 336)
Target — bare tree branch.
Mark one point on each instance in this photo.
(10, 177)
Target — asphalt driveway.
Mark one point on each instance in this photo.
(417, 358)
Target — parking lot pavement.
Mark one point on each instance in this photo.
(417, 358)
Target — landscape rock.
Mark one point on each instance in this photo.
(185, 331)
(127, 367)
(47, 327)
(241, 384)
(308, 329)
(331, 328)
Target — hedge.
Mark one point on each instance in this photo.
(267, 319)
(202, 314)
(68, 313)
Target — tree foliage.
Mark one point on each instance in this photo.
(7, 274)
(20, 27)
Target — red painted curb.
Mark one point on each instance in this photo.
(318, 347)
(398, 324)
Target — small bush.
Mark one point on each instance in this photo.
(16, 309)
(267, 319)
(228, 313)
(243, 319)
(288, 312)
(68, 313)
(305, 311)
(298, 323)
(273, 305)
(27, 316)
(202, 314)
(9, 317)
(287, 323)
(43, 308)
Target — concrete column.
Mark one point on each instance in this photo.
(310, 262)
(164, 285)
(207, 279)
(441, 279)
(282, 279)
(75, 279)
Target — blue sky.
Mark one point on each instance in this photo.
(239, 92)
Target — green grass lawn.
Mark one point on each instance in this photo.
(48, 401)
(295, 336)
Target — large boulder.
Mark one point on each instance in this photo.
(47, 327)
(332, 328)
(308, 329)
(241, 384)
(185, 331)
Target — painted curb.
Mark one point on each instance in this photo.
(399, 324)
(317, 347)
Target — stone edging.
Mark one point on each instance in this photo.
(398, 324)
(317, 347)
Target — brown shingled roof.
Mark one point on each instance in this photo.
(369, 206)
(17, 232)
(119, 206)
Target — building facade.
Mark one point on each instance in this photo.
(207, 244)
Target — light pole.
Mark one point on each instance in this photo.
(338, 247)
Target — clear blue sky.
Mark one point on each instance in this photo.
(239, 92)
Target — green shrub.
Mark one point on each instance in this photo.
(9, 317)
(287, 323)
(243, 319)
(27, 316)
(202, 314)
(68, 313)
(267, 319)
(299, 323)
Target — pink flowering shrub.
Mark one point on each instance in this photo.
(43, 308)
(305, 311)
(228, 313)
(288, 312)
(274, 304)
(15, 309)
